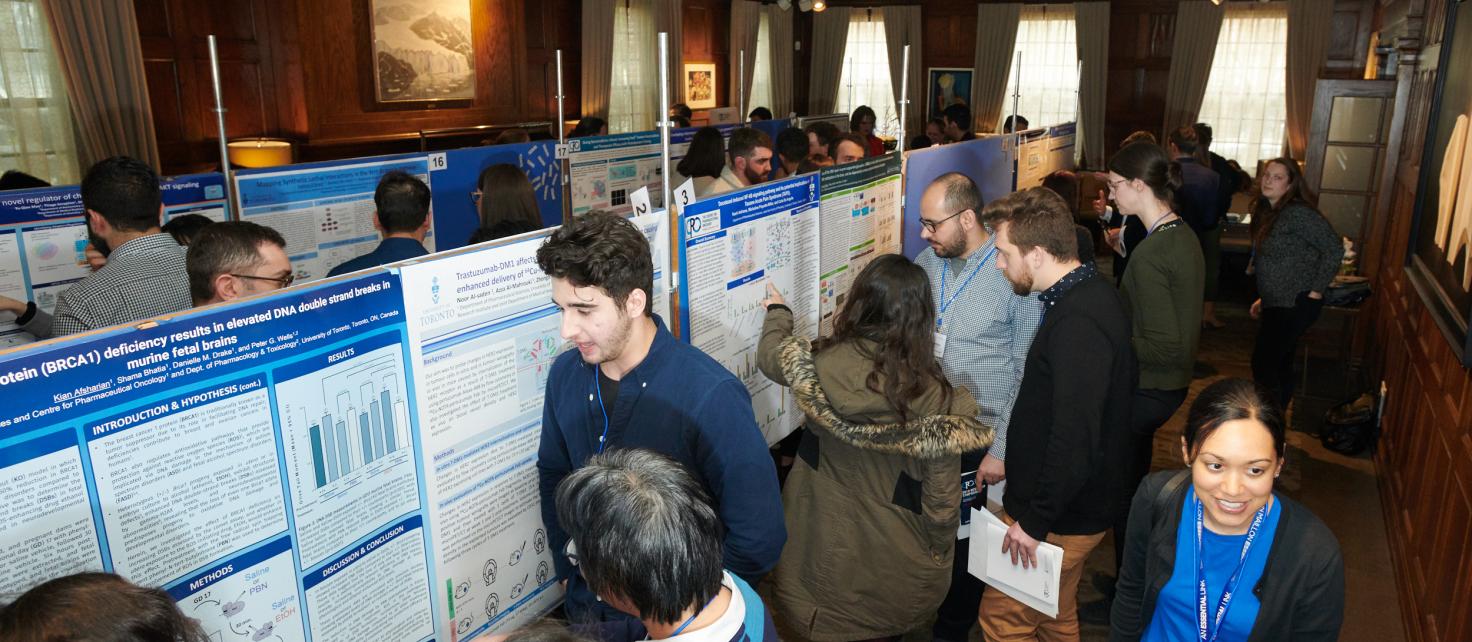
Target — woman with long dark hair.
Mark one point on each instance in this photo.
(1163, 290)
(862, 122)
(506, 202)
(872, 505)
(1212, 552)
(703, 161)
(1295, 255)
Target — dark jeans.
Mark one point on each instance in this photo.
(1278, 332)
(1152, 408)
(957, 613)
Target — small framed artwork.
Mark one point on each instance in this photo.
(948, 86)
(700, 85)
(422, 51)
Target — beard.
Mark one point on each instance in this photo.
(1022, 284)
(617, 341)
(952, 248)
(752, 177)
(97, 242)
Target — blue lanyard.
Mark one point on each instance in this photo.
(1231, 587)
(598, 389)
(946, 303)
(696, 614)
(1157, 224)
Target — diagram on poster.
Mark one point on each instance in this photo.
(605, 170)
(860, 220)
(731, 248)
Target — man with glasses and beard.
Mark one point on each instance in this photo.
(629, 383)
(983, 331)
(145, 274)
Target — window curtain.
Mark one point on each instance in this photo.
(1091, 26)
(780, 43)
(830, 38)
(996, 37)
(1309, 23)
(1198, 24)
(902, 27)
(746, 20)
(1244, 100)
(101, 58)
(35, 122)
(669, 18)
(634, 98)
(597, 57)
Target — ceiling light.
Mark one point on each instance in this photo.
(819, 5)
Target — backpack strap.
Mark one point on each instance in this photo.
(1167, 490)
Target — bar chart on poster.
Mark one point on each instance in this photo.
(361, 419)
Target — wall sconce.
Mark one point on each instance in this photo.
(259, 152)
(819, 5)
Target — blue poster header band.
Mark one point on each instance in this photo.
(228, 568)
(38, 447)
(757, 202)
(299, 184)
(52, 203)
(135, 417)
(358, 552)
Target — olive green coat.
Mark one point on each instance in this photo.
(872, 505)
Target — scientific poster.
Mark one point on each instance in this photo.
(454, 175)
(256, 461)
(860, 219)
(1041, 152)
(325, 210)
(605, 169)
(731, 246)
(43, 235)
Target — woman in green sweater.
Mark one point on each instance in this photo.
(1163, 289)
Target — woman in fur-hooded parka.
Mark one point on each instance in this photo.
(872, 505)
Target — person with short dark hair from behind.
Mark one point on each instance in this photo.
(646, 538)
(1013, 124)
(814, 163)
(1220, 528)
(862, 122)
(402, 217)
(884, 425)
(749, 162)
(958, 123)
(16, 179)
(760, 113)
(1065, 184)
(1070, 421)
(145, 274)
(546, 630)
(704, 160)
(236, 259)
(682, 110)
(847, 148)
(629, 383)
(506, 202)
(185, 228)
(589, 126)
(96, 607)
(1230, 181)
(792, 150)
(820, 134)
(680, 122)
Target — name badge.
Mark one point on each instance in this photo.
(940, 345)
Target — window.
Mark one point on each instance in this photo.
(761, 82)
(1244, 101)
(865, 77)
(1046, 42)
(632, 105)
(35, 121)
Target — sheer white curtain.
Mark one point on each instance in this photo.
(865, 76)
(1047, 41)
(761, 82)
(1244, 102)
(780, 50)
(35, 121)
(635, 95)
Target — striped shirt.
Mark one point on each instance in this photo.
(988, 330)
(143, 278)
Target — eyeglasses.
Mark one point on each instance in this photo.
(284, 281)
(930, 225)
(1114, 185)
(475, 198)
(570, 552)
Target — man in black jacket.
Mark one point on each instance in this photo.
(1070, 422)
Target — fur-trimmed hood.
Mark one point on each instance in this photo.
(923, 437)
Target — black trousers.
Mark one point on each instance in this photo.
(1152, 408)
(957, 613)
(1278, 332)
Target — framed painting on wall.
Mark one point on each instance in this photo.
(947, 86)
(700, 85)
(422, 50)
(1439, 261)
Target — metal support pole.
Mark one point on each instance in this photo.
(665, 123)
(741, 85)
(561, 116)
(1016, 92)
(231, 209)
(904, 100)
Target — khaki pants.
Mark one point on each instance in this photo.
(1004, 619)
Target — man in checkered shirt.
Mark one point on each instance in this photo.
(983, 333)
(145, 274)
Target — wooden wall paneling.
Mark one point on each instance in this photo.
(707, 38)
(551, 25)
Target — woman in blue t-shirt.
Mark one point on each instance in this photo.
(1224, 557)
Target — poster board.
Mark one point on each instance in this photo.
(43, 233)
(984, 160)
(350, 498)
(859, 220)
(324, 210)
(730, 247)
(605, 170)
(455, 174)
(1041, 152)
(839, 120)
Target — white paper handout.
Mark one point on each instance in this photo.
(1036, 587)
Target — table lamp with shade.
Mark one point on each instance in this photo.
(259, 152)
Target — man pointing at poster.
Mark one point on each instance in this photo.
(630, 383)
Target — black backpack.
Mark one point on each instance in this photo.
(1352, 427)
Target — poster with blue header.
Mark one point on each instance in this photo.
(730, 248)
(43, 236)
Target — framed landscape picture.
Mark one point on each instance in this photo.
(700, 85)
(947, 86)
(422, 50)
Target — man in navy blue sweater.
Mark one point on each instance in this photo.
(631, 384)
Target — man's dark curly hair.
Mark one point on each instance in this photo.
(602, 250)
